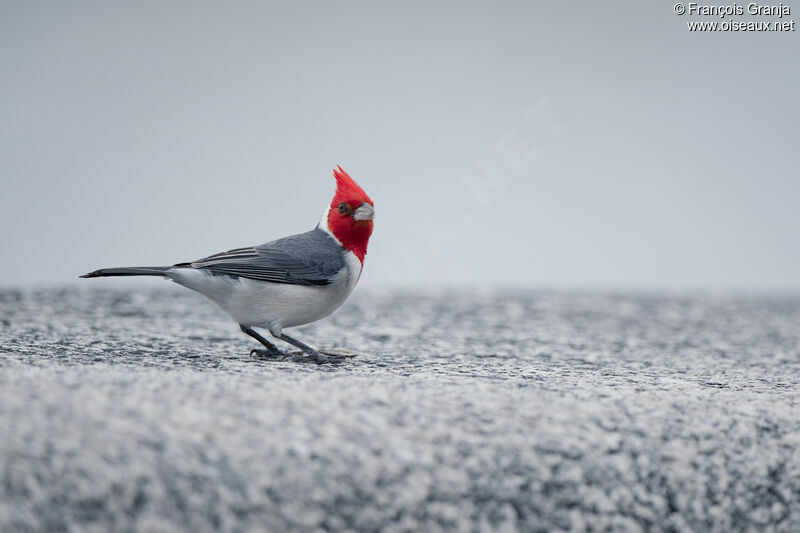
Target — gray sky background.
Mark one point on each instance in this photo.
(525, 143)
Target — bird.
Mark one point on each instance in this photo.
(287, 282)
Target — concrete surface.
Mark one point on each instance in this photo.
(138, 409)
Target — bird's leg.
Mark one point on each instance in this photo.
(313, 354)
(271, 349)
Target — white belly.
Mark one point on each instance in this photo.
(272, 305)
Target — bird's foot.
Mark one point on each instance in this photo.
(267, 354)
(341, 354)
(325, 359)
(321, 357)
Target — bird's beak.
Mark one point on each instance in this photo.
(364, 212)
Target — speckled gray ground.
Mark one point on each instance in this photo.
(531, 410)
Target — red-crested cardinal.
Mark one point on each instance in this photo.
(287, 282)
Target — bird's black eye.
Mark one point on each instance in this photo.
(343, 208)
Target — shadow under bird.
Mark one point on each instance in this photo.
(287, 282)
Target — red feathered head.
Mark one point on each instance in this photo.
(350, 215)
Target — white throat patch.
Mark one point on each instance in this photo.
(323, 225)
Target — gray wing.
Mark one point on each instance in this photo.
(311, 258)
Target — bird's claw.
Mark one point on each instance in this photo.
(296, 357)
(323, 359)
(318, 357)
(266, 354)
(325, 356)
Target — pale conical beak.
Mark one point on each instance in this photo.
(364, 212)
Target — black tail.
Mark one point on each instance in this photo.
(128, 271)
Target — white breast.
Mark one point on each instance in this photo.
(272, 305)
